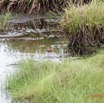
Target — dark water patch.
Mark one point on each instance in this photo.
(26, 18)
(38, 24)
(30, 19)
(24, 25)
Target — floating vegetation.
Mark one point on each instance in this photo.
(86, 26)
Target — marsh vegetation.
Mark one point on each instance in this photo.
(33, 6)
(83, 20)
(4, 24)
(86, 26)
(74, 80)
(67, 81)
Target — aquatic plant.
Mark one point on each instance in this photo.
(67, 81)
(86, 26)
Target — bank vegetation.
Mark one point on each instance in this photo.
(69, 81)
(86, 27)
(33, 6)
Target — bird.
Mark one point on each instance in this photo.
(49, 49)
(50, 54)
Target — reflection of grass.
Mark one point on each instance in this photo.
(72, 81)
(31, 46)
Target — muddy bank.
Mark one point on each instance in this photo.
(87, 40)
(25, 24)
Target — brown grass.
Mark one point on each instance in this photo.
(31, 6)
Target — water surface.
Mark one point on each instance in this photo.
(13, 50)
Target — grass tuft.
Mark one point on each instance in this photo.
(78, 16)
(85, 25)
(4, 22)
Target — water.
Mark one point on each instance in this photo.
(13, 50)
(40, 33)
(5, 59)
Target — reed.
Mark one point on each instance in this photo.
(31, 6)
(86, 26)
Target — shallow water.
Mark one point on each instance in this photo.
(5, 60)
(13, 50)
(35, 35)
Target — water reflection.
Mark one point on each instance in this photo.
(30, 45)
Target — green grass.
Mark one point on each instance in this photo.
(76, 17)
(4, 24)
(69, 81)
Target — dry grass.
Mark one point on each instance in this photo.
(31, 6)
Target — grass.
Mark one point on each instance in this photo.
(4, 24)
(69, 81)
(78, 16)
(85, 25)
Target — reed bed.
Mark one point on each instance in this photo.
(31, 6)
(86, 26)
(69, 81)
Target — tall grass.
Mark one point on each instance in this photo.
(4, 22)
(86, 26)
(76, 17)
(70, 81)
